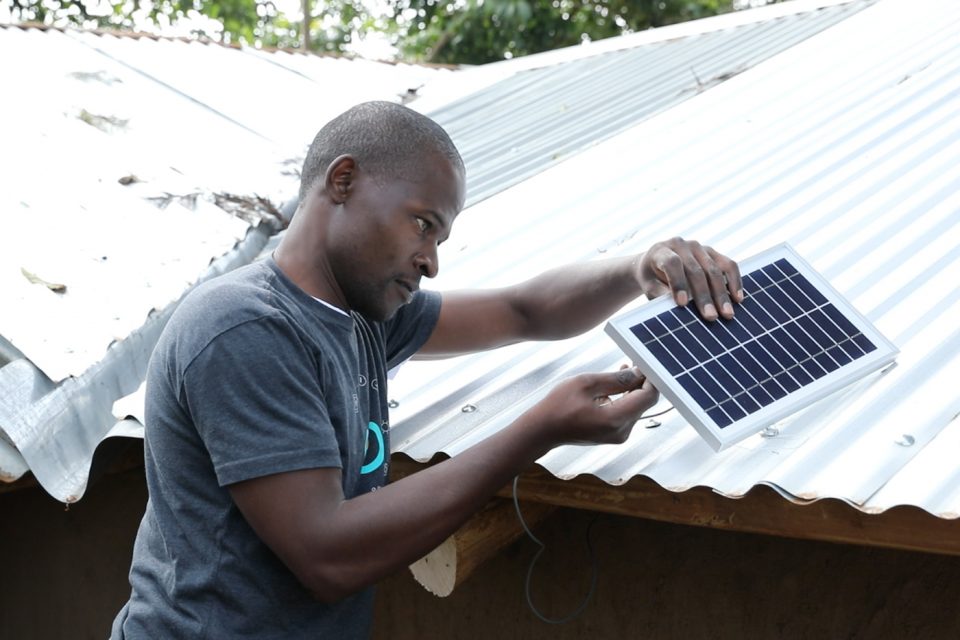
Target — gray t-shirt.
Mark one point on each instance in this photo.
(253, 377)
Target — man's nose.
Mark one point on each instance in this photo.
(427, 262)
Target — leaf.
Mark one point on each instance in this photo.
(56, 287)
(103, 123)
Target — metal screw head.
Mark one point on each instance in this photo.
(770, 432)
(393, 404)
(468, 408)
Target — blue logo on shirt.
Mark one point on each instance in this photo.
(376, 434)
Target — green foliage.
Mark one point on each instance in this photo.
(343, 21)
(478, 31)
(230, 20)
(453, 31)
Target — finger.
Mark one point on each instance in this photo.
(731, 273)
(631, 407)
(688, 276)
(606, 384)
(715, 277)
(699, 269)
(602, 400)
(669, 268)
(655, 289)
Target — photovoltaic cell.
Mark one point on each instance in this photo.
(780, 309)
(791, 334)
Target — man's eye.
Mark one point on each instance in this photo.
(422, 224)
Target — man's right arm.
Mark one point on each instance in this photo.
(336, 546)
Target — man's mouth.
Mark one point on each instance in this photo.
(409, 287)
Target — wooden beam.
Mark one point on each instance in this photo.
(761, 510)
(478, 540)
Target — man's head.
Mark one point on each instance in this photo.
(380, 190)
(387, 140)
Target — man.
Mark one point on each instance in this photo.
(269, 514)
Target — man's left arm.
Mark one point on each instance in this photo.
(569, 300)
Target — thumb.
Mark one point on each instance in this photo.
(620, 381)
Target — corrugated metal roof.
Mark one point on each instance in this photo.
(538, 117)
(250, 88)
(846, 145)
(132, 169)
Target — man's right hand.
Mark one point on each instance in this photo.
(335, 546)
(580, 410)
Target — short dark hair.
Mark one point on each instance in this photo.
(386, 139)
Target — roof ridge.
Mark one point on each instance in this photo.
(137, 35)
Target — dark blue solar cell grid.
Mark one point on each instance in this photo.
(785, 336)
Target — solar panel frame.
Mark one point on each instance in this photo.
(782, 330)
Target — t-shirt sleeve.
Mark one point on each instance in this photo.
(255, 398)
(411, 327)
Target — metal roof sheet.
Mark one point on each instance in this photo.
(537, 117)
(134, 168)
(846, 145)
(250, 87)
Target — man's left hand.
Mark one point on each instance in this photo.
(692, 271)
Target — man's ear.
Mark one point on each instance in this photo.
(338, 181)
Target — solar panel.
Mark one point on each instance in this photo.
(793, 340)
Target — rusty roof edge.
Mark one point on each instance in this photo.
(138, 35)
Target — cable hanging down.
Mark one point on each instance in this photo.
(594, 566)
(593, 562)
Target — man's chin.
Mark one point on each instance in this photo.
(379, 308)
(380, 313)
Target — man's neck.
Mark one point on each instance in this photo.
(297, 257)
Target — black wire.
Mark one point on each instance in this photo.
(595, 568)
(594, 574)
